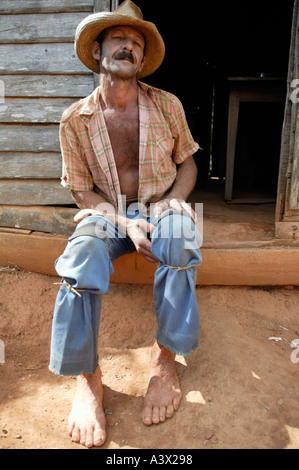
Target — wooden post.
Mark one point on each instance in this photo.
(287, 208)
(233, 118)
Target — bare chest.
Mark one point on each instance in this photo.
(123, 129)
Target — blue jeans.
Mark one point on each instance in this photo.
(86, 265)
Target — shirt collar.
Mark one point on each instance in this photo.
(92, 101)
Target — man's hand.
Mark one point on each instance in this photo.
(137, 230)
(177, 204)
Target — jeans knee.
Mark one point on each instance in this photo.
(86, 261)
(86, 250)
(179, 240)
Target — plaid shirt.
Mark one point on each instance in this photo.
(164, 141)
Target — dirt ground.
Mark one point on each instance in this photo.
(241, 388)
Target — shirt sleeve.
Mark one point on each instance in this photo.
(184, 144)
(75, 171)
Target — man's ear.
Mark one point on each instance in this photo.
(142, 64)
(95, 49)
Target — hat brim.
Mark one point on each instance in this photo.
(90, 28)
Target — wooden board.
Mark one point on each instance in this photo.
(44, 6)
(103, 5)
(37, 218)
(288, 182)
(275, 266)
(34, 138)
(30, 165)
(294, 184)
(34, 192)
(74, 86)
(52, 27)
(35, 110)
(40, 58)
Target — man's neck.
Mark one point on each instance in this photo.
(118, 94)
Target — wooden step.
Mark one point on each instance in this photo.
(242, 264)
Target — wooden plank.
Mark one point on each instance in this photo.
(34, 192)
(289, 141)
(294, 180)
(39, 110)
(53, 27)
(44, 6)
(40, 58)
(294, 183)
(15, 230)
(74, 86)
(233, 117)
(38, 218)
(264, 267)
(30, 165)
(30, 138)
(262, 97)
(102, 5)
(40, 251)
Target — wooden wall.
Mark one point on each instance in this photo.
(287, 210)
(40, 76)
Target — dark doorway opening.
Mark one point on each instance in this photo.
(207, 42)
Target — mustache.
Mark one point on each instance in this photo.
(124, 55)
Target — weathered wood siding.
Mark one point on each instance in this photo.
(287, 212)
(40, 76)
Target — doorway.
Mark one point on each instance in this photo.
(206, 43)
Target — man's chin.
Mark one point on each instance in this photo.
(124, 73)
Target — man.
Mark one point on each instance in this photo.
(126, 149)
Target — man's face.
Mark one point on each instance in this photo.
(121, 53)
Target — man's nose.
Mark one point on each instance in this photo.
(127, 45)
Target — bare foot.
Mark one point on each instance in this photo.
(163, 394)
(87, 419)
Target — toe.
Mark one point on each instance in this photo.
(162, 414)
(89, 438)
(156, 415)
(176, 402)
(76, 434)
(82, 436)
(71, 426)
(147, 415)
(99, 436)
(169, 411)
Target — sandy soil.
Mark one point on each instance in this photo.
(241, 389)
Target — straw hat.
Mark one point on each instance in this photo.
(127, 14)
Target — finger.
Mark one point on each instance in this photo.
(145, 226)
(190, 211)
(160, 207)
(151, 260)
(147, 255)
(157, 211)
(176, 204)
(150, 227)
(145, 250)
(84, 213)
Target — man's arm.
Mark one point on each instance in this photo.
(182, 187)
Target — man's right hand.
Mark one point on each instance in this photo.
(137, 230)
